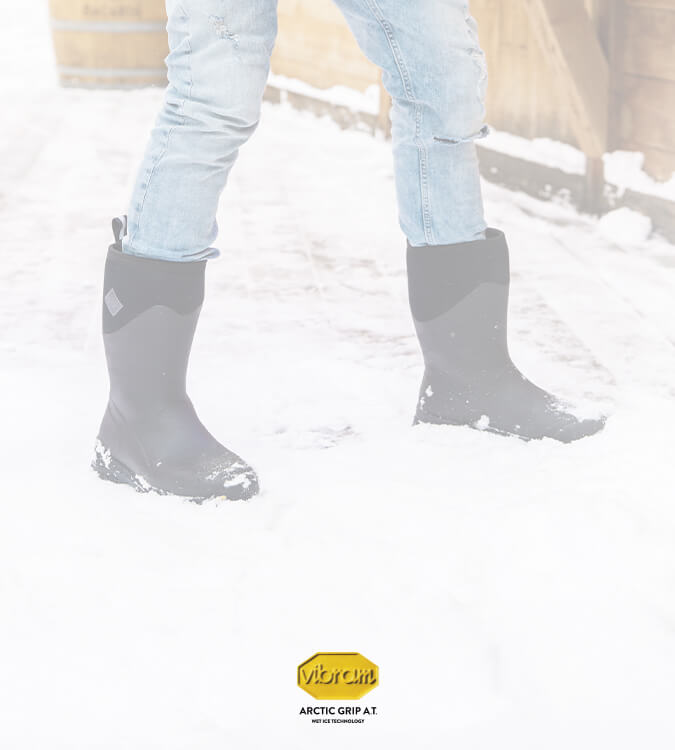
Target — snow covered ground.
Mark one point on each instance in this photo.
(513, 595)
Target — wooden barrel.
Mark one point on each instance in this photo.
(110, 43)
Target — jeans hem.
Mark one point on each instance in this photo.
(211, 253)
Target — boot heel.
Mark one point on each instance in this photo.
(112, 470)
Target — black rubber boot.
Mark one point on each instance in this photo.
(459, 299)
(151, 437)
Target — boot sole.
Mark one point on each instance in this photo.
(470, 425)
(502, 433)
(110, 469)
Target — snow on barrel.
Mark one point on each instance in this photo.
(110, 43)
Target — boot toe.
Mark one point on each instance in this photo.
(239, 482)
(224, 478)
(579, 429)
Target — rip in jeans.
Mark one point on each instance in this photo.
(477, 56)
(482, 133)
(222, 31)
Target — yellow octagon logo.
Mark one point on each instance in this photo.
(338, 676)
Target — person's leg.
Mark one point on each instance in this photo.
(150, 436)
(458, 270)
(217, 66)
(435, 72)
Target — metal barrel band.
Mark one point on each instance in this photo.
(109, 27)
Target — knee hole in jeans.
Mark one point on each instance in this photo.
(222, 31)
(456, 140)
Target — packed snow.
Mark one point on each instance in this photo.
(624, 170)
(514, 595)
(625, 225)
(546, 151)
(367, 101)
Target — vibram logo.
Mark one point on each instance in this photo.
(338, 676)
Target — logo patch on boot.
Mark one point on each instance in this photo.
(112, 302)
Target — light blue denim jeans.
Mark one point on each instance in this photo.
(218, 64)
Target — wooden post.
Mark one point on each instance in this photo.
(615, 46)
(564, 30)
(567, 36)
(594, 186)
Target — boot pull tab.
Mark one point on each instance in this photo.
(119, 228)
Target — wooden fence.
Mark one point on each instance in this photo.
(599, 74)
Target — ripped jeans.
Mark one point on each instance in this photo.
(218, 65)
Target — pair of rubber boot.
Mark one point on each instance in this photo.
(152, 439)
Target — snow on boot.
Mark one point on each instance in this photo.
(151, 437)
(459, 299)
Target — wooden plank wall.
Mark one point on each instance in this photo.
(646, 55)
(524, 95)
(316, 46)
